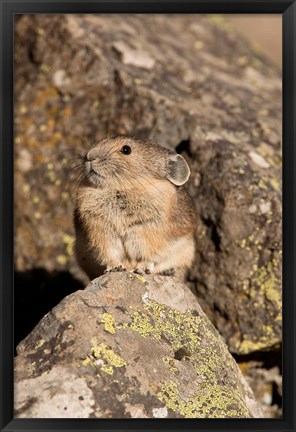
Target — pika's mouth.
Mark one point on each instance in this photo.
(92, 175)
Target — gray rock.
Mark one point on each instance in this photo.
(129, 346)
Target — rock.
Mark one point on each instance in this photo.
(266, 383)
(237, 274)
(206, 93)
(129, 346)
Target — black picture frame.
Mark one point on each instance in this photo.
(7, 10)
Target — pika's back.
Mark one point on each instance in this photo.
(130, 208)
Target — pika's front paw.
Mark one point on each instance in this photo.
(141, 271)
(169, 272)
(138, 271)
(119, 268)
(114, 269)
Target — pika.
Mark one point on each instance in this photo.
(130, 210)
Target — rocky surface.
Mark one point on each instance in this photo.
(208, 94)
(129, 347)
(266, 383)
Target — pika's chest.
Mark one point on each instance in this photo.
(121, 202)
(124, 209)
(120, 207)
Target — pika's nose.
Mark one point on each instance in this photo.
(92, 154)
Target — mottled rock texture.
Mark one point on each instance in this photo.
(129, 346)
(188, 82)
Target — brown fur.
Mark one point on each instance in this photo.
(128, 213)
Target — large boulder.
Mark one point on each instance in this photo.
(129, 346)
(207, 94)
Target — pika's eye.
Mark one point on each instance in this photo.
(126, 150)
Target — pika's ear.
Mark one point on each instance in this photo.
(178, 170)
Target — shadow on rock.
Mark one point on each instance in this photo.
(36, 292)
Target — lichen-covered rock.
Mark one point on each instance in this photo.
(206, 93)
(237, 272)
(129, 346)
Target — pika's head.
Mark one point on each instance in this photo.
(124, 161)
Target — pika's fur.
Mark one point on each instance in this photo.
(131, 212)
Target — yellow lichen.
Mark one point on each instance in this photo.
(108, 369)
(198, 45)
(170, 363)
(242, 61)
(263, 284)
(26, 188)
(65, 196)
(210, 401)
(275, 184)
(141, 324)
(263, 112)
(23, 109)
(109, 323)
(96, 103)
(61, 259)
(39, 344)
(184, 333)
(262, 185)
(141, 278)
(108, 356)
(251, 345)
(44, 68)
(268, 285)
(243, 243)
(69, 241)
(86, 361)
(220, 22)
